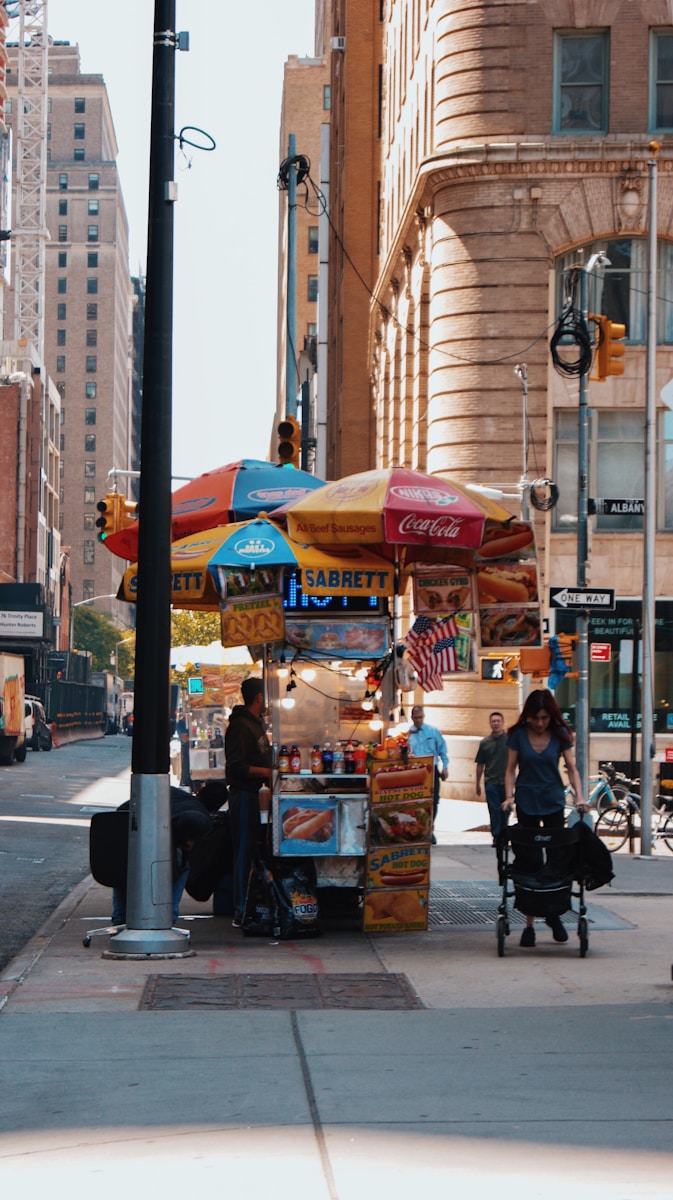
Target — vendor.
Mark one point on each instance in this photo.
(249, 763)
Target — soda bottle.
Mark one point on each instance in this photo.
(295, 760)
(316, 760)
(283, 761)
(349, 758)
(338, 762)
(327, 759)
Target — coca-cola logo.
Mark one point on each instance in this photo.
(443, 528)
(421, 494)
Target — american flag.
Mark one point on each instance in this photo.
(431, 647)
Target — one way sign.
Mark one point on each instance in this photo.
(582, 597)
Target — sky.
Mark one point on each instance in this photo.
(229, 84)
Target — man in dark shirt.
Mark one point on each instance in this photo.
(248, 761)
(491, 759)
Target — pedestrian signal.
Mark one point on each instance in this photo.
(128, 513)
(500, 670)
(289, 441)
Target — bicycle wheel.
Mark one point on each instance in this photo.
(667, 832)
(612, 827)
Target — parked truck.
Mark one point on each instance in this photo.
(12, 709)
(112, 693)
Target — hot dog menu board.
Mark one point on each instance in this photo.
(250, 620)
(308, 826)
(398, 855)
(442, 590)
(504, 627)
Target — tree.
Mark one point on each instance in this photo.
(194, 628)
(97, 633)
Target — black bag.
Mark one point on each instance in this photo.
(260, 915)
(108, 847)
(297, 898)
(594, 858)
(544, 894)
(210, 858)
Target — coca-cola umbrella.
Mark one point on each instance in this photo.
(397, 508)
(235, 492)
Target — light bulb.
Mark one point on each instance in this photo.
(288, 702)
(282, 672)
(308, 674)
(368, 705)
(376, 723)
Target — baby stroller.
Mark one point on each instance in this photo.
(540, 877)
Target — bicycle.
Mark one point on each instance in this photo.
(623, 822)
(606, 789)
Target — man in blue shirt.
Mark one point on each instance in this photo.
(425, 740)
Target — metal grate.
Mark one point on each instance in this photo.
(475, 904)
(366, 990)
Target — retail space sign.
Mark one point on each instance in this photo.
(21, 624)
(600, 652)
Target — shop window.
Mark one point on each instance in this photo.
(580, 82)
(619, 291)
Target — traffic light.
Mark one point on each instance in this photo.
(289, 441)
(610, 350)
(109, 509)
(128, 513)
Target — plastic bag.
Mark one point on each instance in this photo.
(296, 890)
(260, 915)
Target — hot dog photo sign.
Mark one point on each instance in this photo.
(308, 826)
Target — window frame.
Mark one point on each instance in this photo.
(656, 35)
(561, 35)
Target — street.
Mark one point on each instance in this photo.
(45, 808)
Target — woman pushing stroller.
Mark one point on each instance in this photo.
(533, 781)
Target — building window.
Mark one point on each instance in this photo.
(89, 469)
(61, 310)
(312, 287)
(91, 364)
(327, 96)
(92, 260)
(661, 80)
(80, 104)
(92, 337)
(78, 156)
(60, 363)
(61, 469)
(61, 286)
(619, 291)
(79, 131)
(89, 416)
(62, 258)
(60, 388)
(87, 589)
(94, 181)
(581, 83)
(89, 443)
(9, 107)
(90, 389)
(63, 182)
(92, 287)
(92, 208)
(61, 442)
(92, 233)
(616, 466)
(89, 495)
(92, 312)
(49, 131)
(313, 239)
(88, 552)
(89, 523)
(63, 233)
(63, 208)
(60, 337)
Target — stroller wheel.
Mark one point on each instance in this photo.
(501, 929)
(583, 934)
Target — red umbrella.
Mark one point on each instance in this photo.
(235, 492)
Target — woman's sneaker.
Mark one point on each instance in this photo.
(528, 936)
(558, 929)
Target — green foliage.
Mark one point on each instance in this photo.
(97, 633)
(194, 628)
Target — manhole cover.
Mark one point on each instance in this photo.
(367, 990)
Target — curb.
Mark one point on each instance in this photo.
(20, 967)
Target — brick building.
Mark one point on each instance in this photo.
(479, 152)
(88, 308)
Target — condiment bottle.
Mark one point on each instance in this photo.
(327, 759)
(283, 761)
(349, 758)
(295, 760)
(339, 763)
(316, 760)
(264, 803)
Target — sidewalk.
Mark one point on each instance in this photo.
(523, 1076)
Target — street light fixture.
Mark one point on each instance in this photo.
(79, 603)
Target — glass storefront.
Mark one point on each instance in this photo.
(614, 688)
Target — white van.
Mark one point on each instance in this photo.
(38, 733)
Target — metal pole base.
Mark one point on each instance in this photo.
(149, 943)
